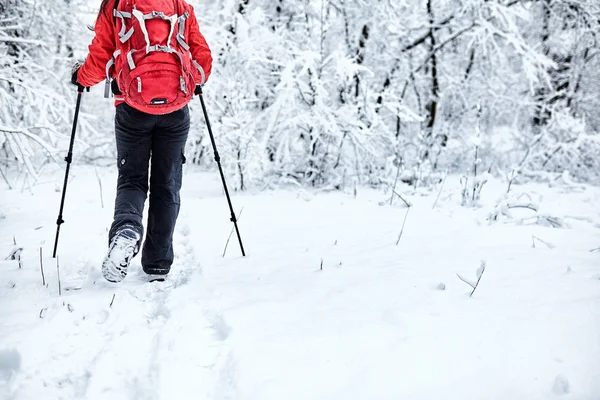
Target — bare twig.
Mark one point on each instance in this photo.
(42, 312)
(480, 272)
(465, 280)
(441, 189)
(513, 176)
(395, 183)
(475, 183)
(42, 266)
(16, 255)
(58, 276)
(464, 182)
(401, 198)
(553, 221)
(529, 206)
(6, 179)
(403, 225)
(547, 244)
(475, 173)
(100, 186)
(231, 233)
(113, 300)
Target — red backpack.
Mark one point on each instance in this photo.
(153, 64)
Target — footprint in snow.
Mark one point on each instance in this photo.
(561, 385)
(10, 363)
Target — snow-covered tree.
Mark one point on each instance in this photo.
(335, 92)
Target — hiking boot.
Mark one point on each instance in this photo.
(123, 247)
(156, 278)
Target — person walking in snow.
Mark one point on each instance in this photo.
(154, 59)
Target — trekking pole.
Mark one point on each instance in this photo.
(68, 159)
(218, 160)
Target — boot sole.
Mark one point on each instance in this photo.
(116, 262)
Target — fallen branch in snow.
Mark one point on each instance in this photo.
(547, 244)
(42, 312)
(529, 206)
(113, 300)
(15, 254)
(42, 266)
(596, 250)
(441, 189)
(546, 220)
(504, 207)
(231, 233)
(479, 273)
(321, 264)
(403, 224)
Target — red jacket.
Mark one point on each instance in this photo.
(93, 70)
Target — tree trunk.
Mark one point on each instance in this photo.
(432, 104)
(360, 55)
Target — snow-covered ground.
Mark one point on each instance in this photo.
(326, 305)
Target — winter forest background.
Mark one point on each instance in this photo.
(335, 93)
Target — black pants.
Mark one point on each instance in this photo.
(161, 139)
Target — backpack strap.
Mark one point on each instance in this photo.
(202, 74)
(123, 15)
(182, 42)
(130, 61)
(162, 49)
(181, 35)
(125, 35)
(109, 65)
(142, 18)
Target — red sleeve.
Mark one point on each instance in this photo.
(93, 70)
(199, 48)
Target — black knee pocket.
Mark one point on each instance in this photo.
(132, 164)
(125, 162)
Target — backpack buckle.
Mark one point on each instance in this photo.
(158, 14)
(182, 83)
